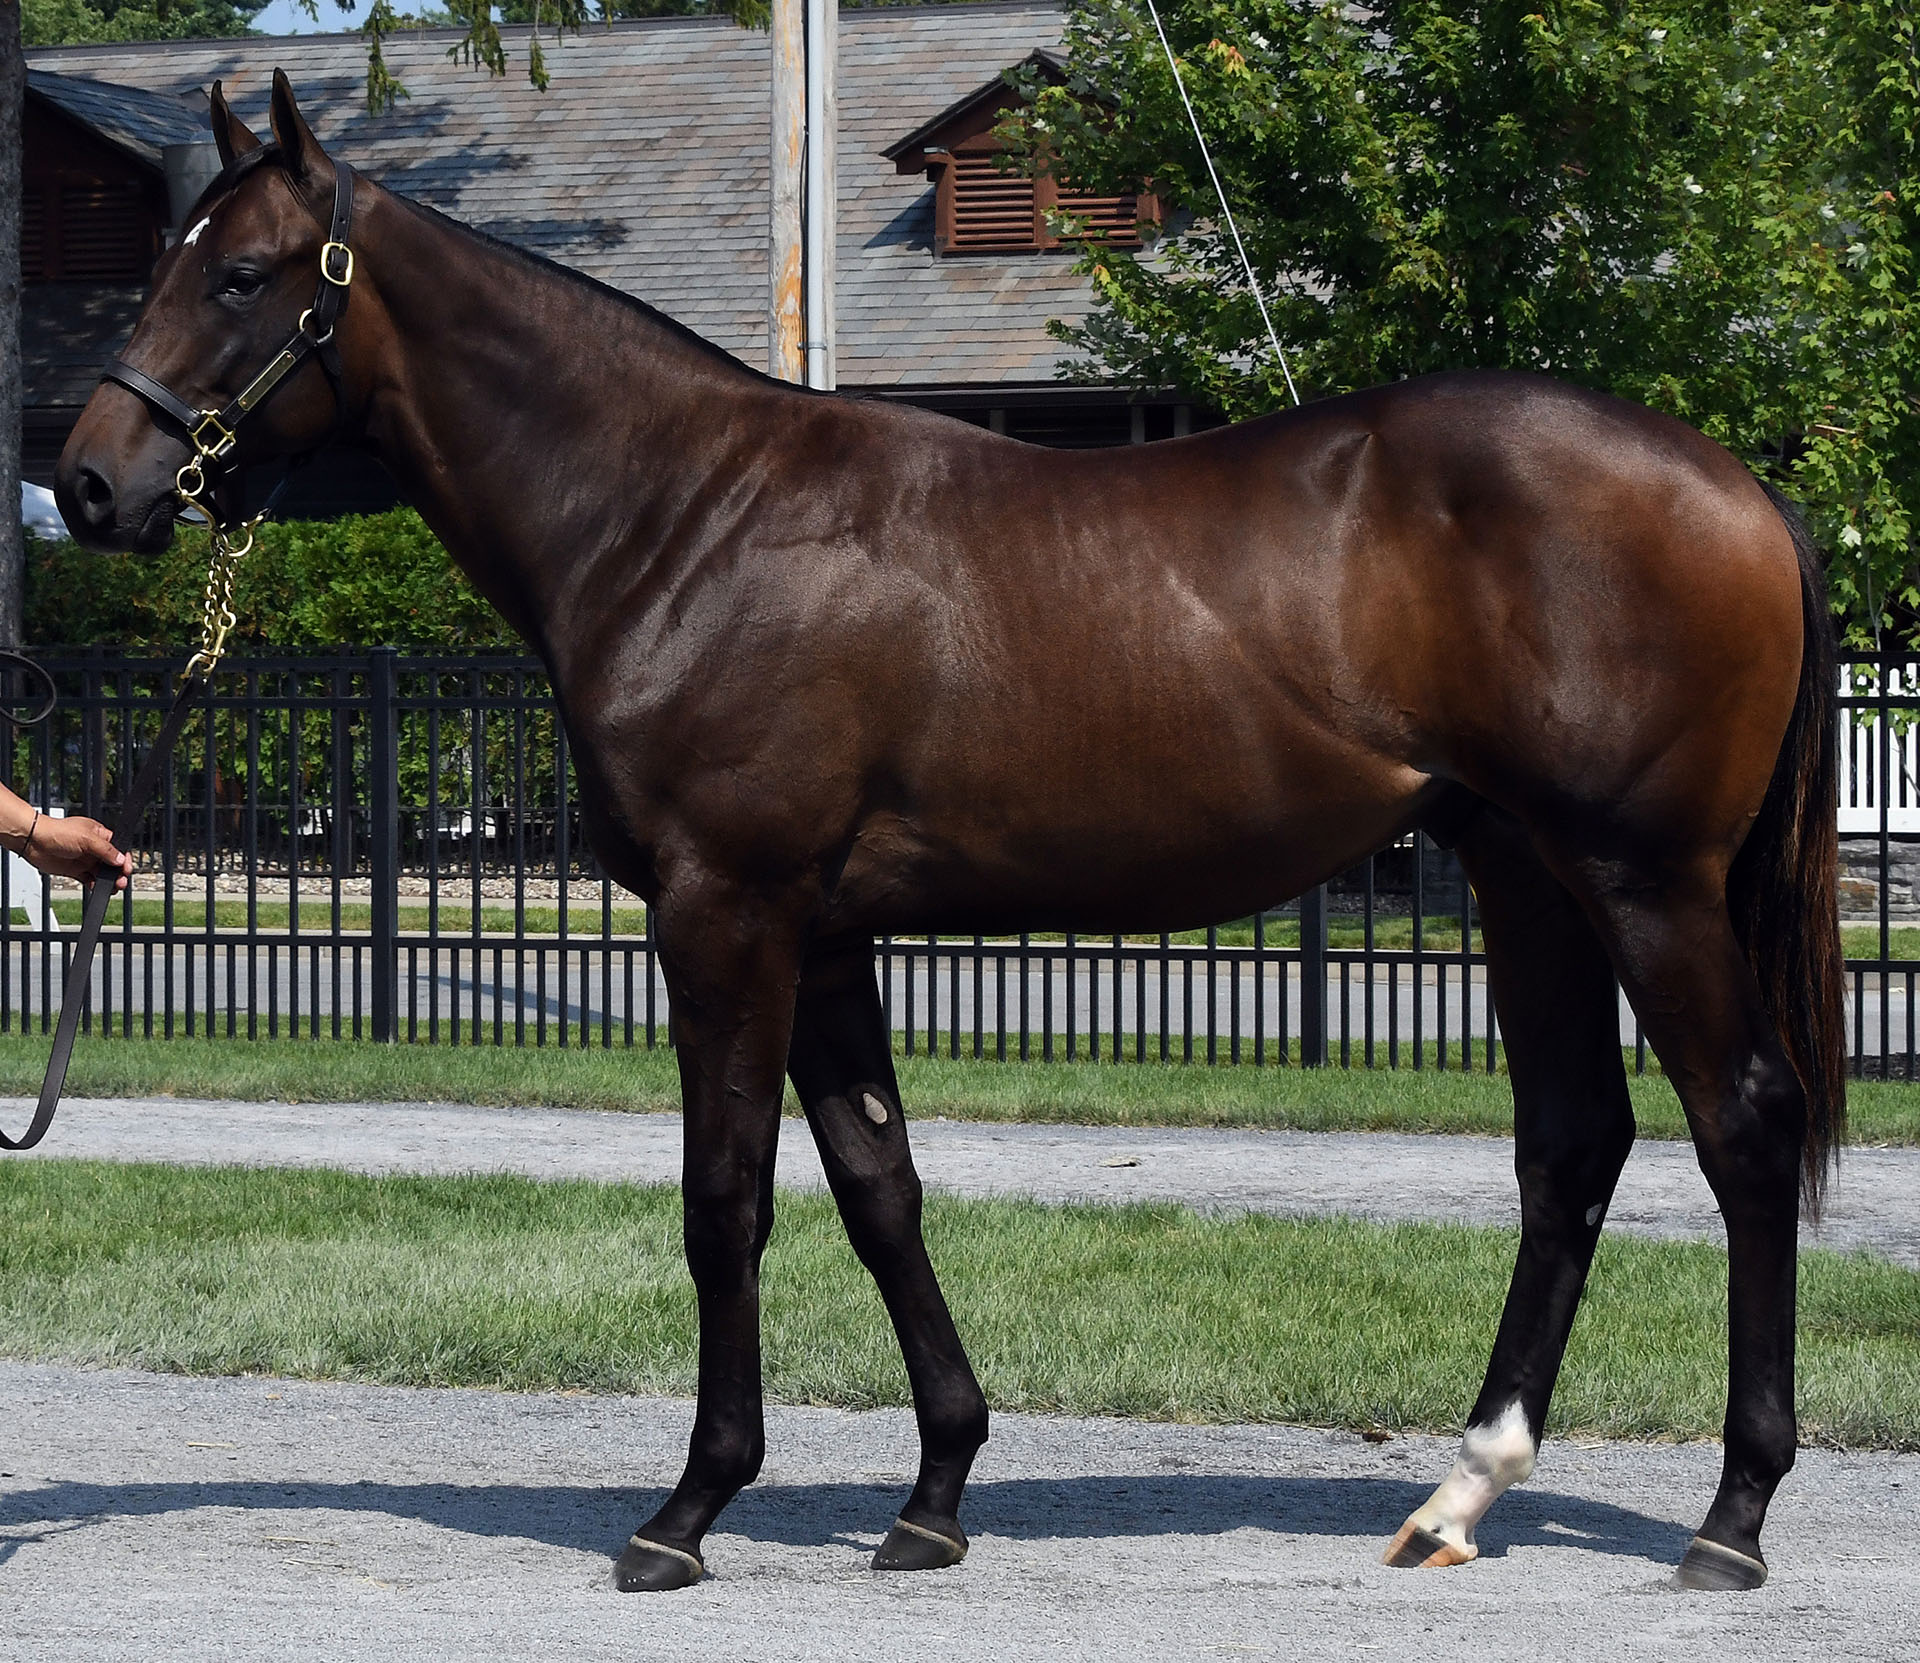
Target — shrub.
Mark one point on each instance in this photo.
(308, 585)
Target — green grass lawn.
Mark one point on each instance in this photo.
(1140, 1311)
(1079, 1093)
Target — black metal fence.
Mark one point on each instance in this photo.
(390, 847)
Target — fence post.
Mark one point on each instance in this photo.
(383, 839)
(1313, 977)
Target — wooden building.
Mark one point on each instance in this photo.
(644, 165)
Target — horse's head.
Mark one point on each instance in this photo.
(227, 300)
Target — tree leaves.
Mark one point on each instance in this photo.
(1698, 205)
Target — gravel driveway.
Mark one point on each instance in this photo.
(146, 1516)
(1875, 1201)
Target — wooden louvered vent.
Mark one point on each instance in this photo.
(100, 237)
(992, 210)
(33, 234)
(1114, 220)
(980, 209)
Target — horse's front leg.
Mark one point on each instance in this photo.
(731, 961)
(842, 1066)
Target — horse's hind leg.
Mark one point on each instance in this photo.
(842, 1067)
(1573, 1125)
(1697, 998)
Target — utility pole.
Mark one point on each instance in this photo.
(800, 319)
(823, 52)
(785, 312)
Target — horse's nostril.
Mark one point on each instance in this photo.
(96, 497)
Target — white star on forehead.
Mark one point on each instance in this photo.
(192, 235)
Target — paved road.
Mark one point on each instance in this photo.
(146, 1516)
(1875, 1202)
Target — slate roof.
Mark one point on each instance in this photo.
(137, 120)
(645, 165)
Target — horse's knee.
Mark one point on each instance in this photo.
(864, 1145)
(882, 1213)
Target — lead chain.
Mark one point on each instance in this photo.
(218, 619)
(228, 549)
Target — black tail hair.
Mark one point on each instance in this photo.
(1784, 889)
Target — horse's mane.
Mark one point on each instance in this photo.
(540, 266)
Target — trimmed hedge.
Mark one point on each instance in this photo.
(307, 586)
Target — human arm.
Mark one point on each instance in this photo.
(74, 847)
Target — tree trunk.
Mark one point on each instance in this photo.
(13, 93)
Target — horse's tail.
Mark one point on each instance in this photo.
(1784, 888)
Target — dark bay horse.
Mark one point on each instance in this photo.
(833, 668)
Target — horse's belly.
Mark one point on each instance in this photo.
(1162, 852)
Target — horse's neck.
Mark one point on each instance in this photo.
(540, 426)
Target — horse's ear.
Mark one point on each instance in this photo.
(305, 160)
(230, 133)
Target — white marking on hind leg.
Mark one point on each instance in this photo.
(1492, 1459)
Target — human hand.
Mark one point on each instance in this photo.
(74, 847)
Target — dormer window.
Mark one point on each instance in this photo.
(982, 208)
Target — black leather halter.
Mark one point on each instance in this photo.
(215, 434)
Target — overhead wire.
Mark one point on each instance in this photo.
(1226, 208)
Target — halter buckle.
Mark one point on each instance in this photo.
(222, 441)
(329, 253)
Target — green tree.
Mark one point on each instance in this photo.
(1844, 242)
(76, 22)
(1692, 203)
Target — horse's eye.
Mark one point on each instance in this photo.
(243, 281)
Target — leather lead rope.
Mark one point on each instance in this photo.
(213, 434)
(80, 971)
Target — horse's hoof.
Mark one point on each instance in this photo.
(1415, 1548)
(1719, 1569)
(653, 1567)
(913, 1547)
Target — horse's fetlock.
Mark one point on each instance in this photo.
(729, 1460)
(954, 1422)
(1761, 1447)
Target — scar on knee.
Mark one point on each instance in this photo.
(875, 1109)
(1595, 1212)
